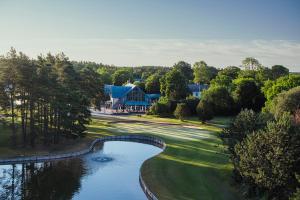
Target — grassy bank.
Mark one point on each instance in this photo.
(194, 165)
(65, 145)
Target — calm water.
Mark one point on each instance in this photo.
(111, 172)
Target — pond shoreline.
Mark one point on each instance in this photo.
(155, 141)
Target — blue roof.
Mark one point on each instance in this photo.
(117, 91)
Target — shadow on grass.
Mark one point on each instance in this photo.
(194, 164)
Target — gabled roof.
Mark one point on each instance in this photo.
(117, 91)
(197, 87)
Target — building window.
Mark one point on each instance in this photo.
(135, 95)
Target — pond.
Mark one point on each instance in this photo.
(110, 172)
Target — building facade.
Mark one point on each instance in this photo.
(131, 98)
(128, 98)
(197, 89)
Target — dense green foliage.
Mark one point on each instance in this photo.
(140, 84)
(265, 147)
(222, 81)
(230, 71)
(251, 63)
(270, 158)
(192, 103)
(246, 89)
(244, 124)
(273, 88)
(92, 86)
(50, 97)
(185, 69)
(205, 111)
(141, 72)
(174, 85)
(152, 84)
(287, 101)
(204, 73)
(220, 100)
(159, 109)
(105, 76)
(247, 73)
(247, 94)
(181, 111)
(279, 71)
(47, 95)
(122, 76)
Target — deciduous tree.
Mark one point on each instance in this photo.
(287, 101)
(230, 71)
(251, 63)
(247, 94)
(152, 84)
(121, 76)
(203, 73)
(269, 158)
(279, 71)
(174, 85)
(185, 69)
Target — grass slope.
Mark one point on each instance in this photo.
(66, 145)
(194, 165)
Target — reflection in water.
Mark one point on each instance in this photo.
(79, 178)
(49, 180)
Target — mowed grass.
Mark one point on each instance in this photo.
(195, 164)
(216, 121)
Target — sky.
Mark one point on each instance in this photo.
(155, 32)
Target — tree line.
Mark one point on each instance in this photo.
(231, 89)
(264, 137)
(46, 96)
(265, 146)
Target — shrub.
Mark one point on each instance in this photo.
(159, 109)
(181, 111)
(171, 104)
(205, 111)
(192, 103)
(220, 100)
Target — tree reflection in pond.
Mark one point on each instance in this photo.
(83, 178)
(38, 181)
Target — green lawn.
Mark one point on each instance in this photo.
(216, 121)
(194, 165)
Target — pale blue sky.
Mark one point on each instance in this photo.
(156, 32)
